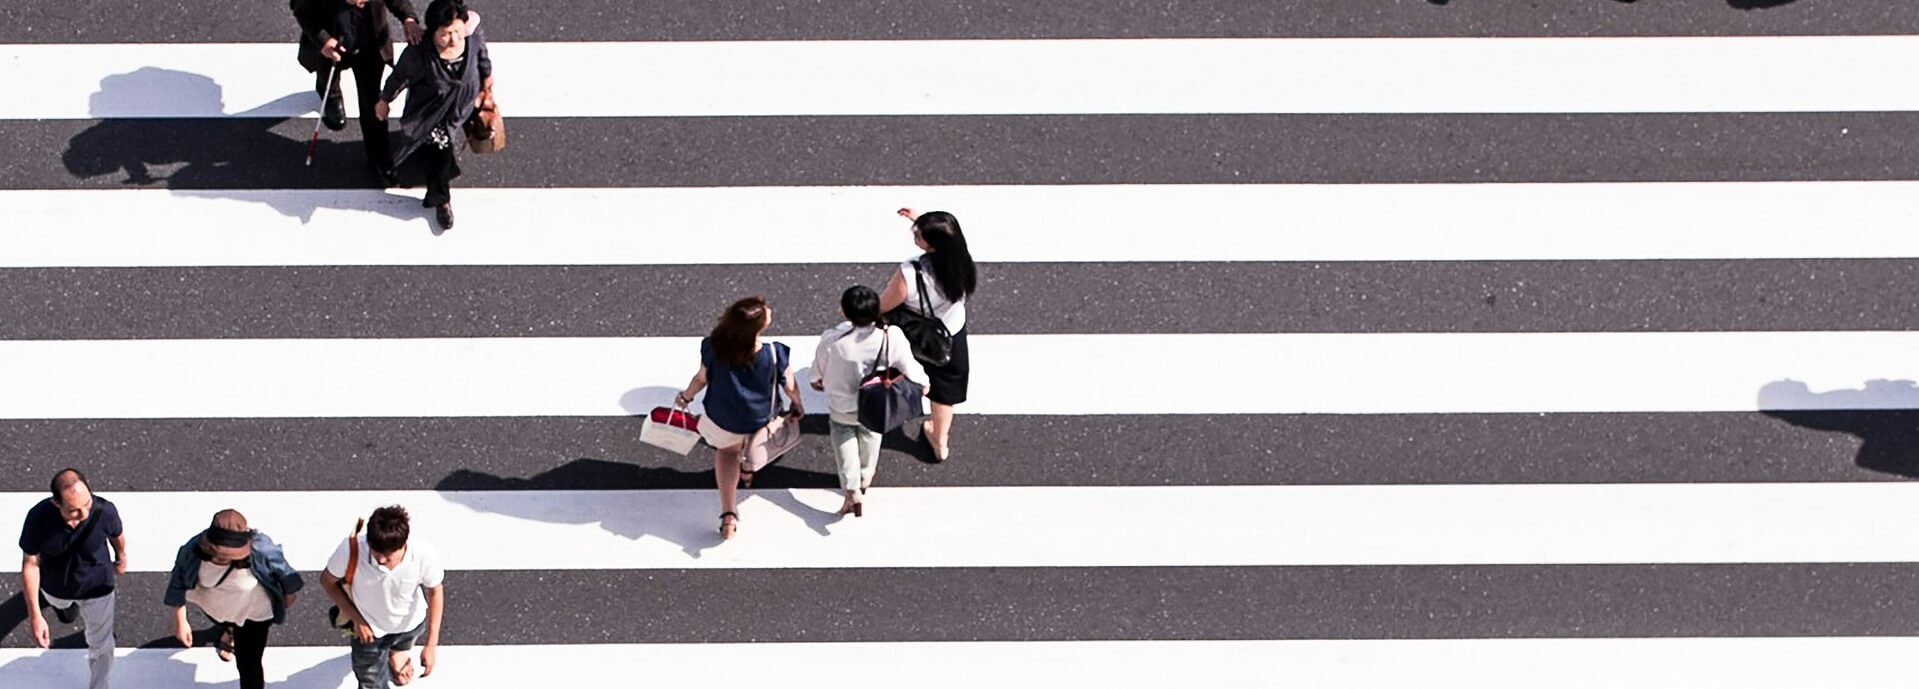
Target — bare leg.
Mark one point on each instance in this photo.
(726, 474)
(939, 428)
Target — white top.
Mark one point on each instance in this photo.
(845, 357)
(237, 600)
(391, 600)
(952, 313)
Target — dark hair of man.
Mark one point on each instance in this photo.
(861, 305)
(953, 270)
(739, 327)
(387, 529)
(442, 12)
(66, 480)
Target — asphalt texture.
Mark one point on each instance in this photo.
(248, 153)
(1121, 603)
(604, 453)
(181, 21)
(1014, 298)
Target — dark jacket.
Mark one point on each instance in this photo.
(433, 97)
(268, 564)
(320, 20)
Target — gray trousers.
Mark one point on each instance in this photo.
(97, 616)
(370, 660)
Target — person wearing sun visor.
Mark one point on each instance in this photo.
(241, 580)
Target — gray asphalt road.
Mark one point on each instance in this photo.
(178, 21)
(1054, 604)
(1052, 298)
(1056, 149)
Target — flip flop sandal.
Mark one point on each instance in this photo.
(402, 674)
(223, 644)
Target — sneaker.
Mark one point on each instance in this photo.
(333, 113)
(67, 614)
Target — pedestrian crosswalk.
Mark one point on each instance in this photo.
(1319, 343)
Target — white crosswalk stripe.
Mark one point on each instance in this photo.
(608, 569)
(760, 78)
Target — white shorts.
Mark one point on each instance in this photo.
(719, 438)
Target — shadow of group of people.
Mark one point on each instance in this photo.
(241, 156)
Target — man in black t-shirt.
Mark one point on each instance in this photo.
(68, 565)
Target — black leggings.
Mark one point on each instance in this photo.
(249, 648)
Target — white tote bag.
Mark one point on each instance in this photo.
(667, 428)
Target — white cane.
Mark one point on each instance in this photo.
(314, 141)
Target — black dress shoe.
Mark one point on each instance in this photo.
(445, 215)
(387, 177)
(333, 113)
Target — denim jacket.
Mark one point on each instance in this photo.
(268, 564)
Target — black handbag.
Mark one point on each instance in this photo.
(932, 344)
(887, 398)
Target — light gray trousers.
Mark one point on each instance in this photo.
(97, 616)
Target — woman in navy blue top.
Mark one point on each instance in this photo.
(738, 372)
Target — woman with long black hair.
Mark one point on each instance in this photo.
(946, 268)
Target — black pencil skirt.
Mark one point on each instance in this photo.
(949, 381)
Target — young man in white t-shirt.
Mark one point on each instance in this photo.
(394, 602)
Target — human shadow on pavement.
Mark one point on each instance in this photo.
(224, 156)
(686, 518)
(13, 618)
(162, 672)
(1882, 414)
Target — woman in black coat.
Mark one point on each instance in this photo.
(449, 77)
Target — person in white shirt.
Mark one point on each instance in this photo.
(847, 354)
(394, 601)
(950, 277)
(241, 580)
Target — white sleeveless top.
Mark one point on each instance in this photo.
(952, 313)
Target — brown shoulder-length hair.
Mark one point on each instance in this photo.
(739, 327)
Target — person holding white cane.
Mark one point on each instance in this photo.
(353, 35)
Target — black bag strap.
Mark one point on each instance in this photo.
(80, 537)
(919, 278)
(779, 372)
(879, 360)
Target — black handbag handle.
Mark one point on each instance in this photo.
(919, 277)
(773, 394)
(885, 339)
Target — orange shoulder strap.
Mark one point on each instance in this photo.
(353, 552)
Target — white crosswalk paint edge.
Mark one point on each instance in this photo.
(1145, 76)
(1012, 374)
(1166, 526)
(1750, 663)
(1313, 222)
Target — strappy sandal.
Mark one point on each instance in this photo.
(746, 479)
(728, 528)
(926, 435)
(223, 644)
